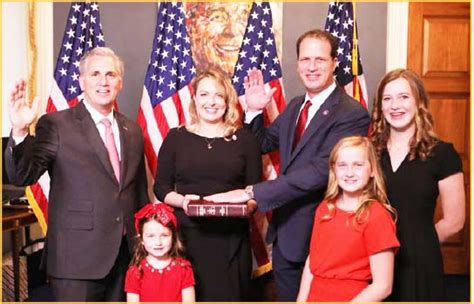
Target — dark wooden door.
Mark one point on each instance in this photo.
(439, 51)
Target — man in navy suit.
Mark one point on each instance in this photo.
(304, 151)
(93, 196)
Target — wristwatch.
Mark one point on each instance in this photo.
(249, 191)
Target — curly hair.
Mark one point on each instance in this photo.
(374, 191)
(139, 252)
(232, 118)
(424, 139)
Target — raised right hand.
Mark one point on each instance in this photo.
(255, 95)
(21, 114)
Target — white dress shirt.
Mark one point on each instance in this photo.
(316, 102)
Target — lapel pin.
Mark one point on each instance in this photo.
(325, 112)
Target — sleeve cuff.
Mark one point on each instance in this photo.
(249, 116)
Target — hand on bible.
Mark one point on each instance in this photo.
(186, 199)
(234, 196)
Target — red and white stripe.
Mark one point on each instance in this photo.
(156, 122)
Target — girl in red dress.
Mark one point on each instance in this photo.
(158, 272)
(353, 241)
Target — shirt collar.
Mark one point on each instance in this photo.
(323, 95)
(96, 115)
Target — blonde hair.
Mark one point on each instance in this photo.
(232, 118)
(424, 139)
(374, 191)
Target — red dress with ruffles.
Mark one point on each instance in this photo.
(160, 285)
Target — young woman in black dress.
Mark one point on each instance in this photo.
(418, 168)
(211, 154)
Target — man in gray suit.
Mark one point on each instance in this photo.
(304, 133)
(94, 157)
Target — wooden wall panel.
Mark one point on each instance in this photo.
(445, 48)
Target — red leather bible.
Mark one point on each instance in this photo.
(202, 208)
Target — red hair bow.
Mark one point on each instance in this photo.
(164, 214)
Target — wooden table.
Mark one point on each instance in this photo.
(13, 220)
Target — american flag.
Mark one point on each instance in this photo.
(83, 32)
(341, 24)
(167, 94)
(259, 50)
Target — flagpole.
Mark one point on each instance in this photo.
(355, 55)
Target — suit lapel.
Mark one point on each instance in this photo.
(95, 141)
(318, 120)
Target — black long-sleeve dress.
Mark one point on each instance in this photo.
(218, 248)
(412, 190)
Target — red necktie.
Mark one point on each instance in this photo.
(301, 124)
(111, 147)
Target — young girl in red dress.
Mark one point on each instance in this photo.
(158, 272)
(353, 241)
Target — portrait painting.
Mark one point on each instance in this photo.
(216, 30)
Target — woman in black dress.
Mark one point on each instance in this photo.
(418, 168)
(211, 154)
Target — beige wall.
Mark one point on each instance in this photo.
(16, 39)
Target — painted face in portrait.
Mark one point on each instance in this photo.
(216, 31)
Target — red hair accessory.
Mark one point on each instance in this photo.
(164, 214)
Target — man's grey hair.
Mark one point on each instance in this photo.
(105, 52)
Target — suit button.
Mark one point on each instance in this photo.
(117, 219)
